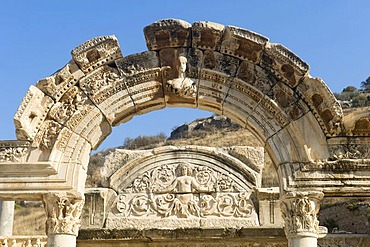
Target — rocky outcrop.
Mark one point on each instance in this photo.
(204, 124)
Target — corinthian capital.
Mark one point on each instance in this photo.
(63, 213)
(299, 210)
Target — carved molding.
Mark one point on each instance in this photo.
(13, 151)
(299, 210)
(63, 213)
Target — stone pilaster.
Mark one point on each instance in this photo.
(63, 218)
(299, 210)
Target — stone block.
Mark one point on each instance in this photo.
(323, 104)
(284, 64)
(61, 81)
(206, 35)
(96, 52)
(167, 33)
(269, 207)
(31, 113)
(243, 44)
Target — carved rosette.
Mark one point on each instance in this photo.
(299, 210)
(63, 213)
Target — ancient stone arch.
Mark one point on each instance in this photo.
(223, 69)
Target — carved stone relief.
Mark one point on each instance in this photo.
(13, 151)
(63, 213)
(189, 195)
(299, 210)
(182, 86)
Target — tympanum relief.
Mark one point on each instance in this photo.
(183, 195)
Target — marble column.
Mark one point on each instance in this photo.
(6, 218)
(63, 218)
(299, 210)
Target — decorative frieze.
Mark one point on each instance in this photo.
(63, 213)
(13, 151)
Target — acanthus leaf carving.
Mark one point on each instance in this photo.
(299, 210)
(63, 213)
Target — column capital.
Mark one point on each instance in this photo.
(63, 213)
(299, 210)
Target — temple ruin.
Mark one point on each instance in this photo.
(191, 195)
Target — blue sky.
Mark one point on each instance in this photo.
(332, 36)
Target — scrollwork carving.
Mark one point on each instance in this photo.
(183, 191)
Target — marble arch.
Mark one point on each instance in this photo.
(229, 70)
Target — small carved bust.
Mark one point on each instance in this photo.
(182, 86)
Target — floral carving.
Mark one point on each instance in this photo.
(299, 211)
(183, 191)
(63, 213)
(12, 154)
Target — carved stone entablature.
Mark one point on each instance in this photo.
(61, 81)
(99, 81)
(13, 151)
(96, 52)
(72, 101)
(349, 151)
(167, 33)
(284, 64)
(206, 35)
(137, 63)
(342, 165)
(47, 135)
(323, 104)
(243, 44)
(63, 213)
(299, 210)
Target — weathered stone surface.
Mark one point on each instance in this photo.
(96, 52)
(323, 104)
(167, 33)
(284, 64)
(61, 81)
(31, 113)
(243, 44)
(153, 189)
(13, 151)
(206, 35)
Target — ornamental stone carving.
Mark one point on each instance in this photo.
(184, 195)
(182, 86)
(299, 210)
(13, 151)
(63, 213)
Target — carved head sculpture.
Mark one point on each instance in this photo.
(182, 64)
(183, 169)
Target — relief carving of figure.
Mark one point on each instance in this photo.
(184, 191)
(184, 203)
(182, 86)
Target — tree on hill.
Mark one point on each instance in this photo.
(365, 85)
